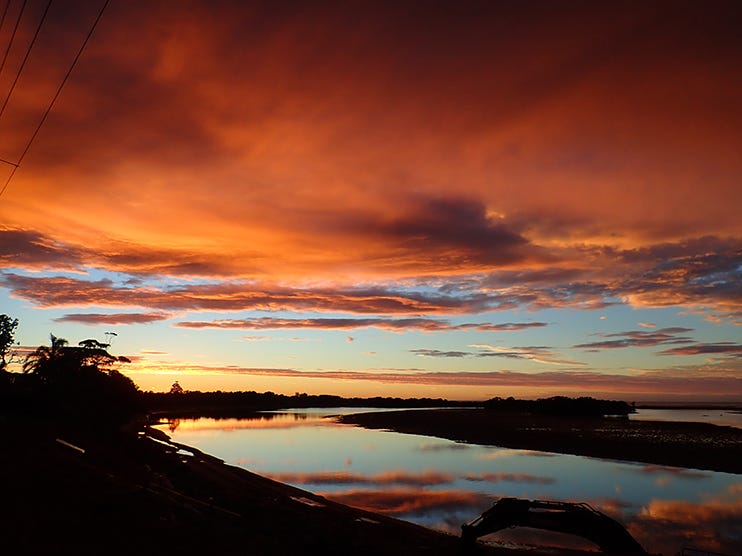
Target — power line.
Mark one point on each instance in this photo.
(56, 95)
(5, 12)
(12, 35)
(25, 58)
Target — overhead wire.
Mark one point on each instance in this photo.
(25, 57)
(12, 35)
(56, 96)
(5, 13)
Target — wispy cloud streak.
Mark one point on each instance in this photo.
(113, 318)
(422, 324)
(721, 348)
(640, 338)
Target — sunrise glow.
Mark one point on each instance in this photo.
(457, 199)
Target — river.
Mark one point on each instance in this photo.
(725, 417)
(442, 484)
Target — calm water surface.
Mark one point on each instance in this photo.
(442, 484)
(713, 416)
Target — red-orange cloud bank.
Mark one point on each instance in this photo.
(291, 138)
(389, 166)
(681, 275)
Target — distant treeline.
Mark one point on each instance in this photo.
(560, 406)
(237, 403)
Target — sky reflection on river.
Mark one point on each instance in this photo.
(442, 484)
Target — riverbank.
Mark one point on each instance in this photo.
(678, 444)
(69, 490)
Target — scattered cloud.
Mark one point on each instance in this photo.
(539, 354)
(722, 348)
(400, 324)
(639, 338)
(439, 353)
(502, 327)
(113, 318)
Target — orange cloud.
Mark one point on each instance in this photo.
(677, 281)
(268, 165)
(61, 291)
(383, 160)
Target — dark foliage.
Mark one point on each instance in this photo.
(560, 406)
(235, 404)
(71, 383)
(7, 336)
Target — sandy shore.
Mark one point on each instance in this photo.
(691, 445)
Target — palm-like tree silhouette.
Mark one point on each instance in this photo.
(59, 360)
(80, 379)
(47, 363)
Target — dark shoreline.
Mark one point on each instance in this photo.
(678, 444)
(85, 490)
(70, 490)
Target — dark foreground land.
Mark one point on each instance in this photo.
(691, 445)
(84, 490)
(132, 494)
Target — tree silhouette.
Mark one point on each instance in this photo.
(81, 380)
(7, 337)
(176, 388)
(46, 363)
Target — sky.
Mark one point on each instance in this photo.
(422, 198)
